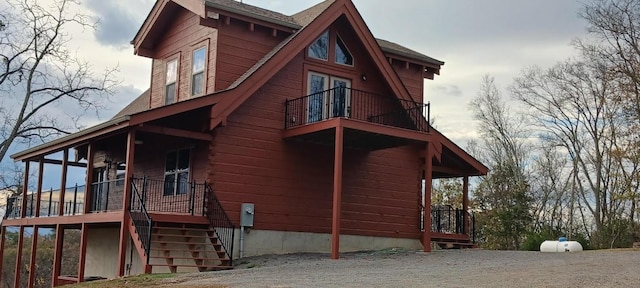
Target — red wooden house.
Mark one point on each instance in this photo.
(308, 118)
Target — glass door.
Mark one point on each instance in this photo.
(317, 86)
(340, 97)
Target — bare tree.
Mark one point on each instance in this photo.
(39, 74)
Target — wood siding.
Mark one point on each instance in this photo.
(182, 37)
(412, 78)
(291, 182)
(239, 49)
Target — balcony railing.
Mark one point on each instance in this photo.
(359, 105)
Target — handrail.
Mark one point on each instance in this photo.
(220, 221)
(446, 219)
(140, 217)
(357, 104)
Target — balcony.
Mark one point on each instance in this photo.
(357, 105)
(375, 121)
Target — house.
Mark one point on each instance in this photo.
(260, 133)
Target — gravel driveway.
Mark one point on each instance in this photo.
(443, 268)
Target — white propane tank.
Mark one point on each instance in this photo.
(560, 246)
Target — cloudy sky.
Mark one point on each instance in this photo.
(473, 38)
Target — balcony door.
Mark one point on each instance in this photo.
(329, 97)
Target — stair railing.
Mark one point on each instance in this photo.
(218, 219)
(140, 217)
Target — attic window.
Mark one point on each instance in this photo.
(320, 48)
(343, 56)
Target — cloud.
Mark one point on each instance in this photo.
(117, 25)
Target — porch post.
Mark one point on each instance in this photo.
(126, 199)
(16, 280)
(3, 232)
(63, 181)
(88, 188)
(32, 263)
(337, 193)
(465, 204)
(57, 255)
(39, 188)
(25, 185)
(428, 172)
(83, 252)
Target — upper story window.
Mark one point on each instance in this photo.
(197, 71)
(343, 56)
(331, 45)
(170, 85)
(320, 48)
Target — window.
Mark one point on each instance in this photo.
(197, 71)
(320, 48)
(176, 172)
(343, 56)
(170, 86)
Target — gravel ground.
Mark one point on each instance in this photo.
(442, 268)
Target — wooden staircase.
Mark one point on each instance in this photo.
(186, 247)
(453, 241)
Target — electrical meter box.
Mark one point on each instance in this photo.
(246, 214)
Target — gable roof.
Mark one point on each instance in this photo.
(225, 102)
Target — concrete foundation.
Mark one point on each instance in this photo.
(260, 242)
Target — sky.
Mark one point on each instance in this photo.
(474, 38)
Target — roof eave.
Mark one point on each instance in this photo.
(69, 140)
(253, 15)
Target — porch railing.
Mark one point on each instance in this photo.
(106, 196)
(220, 221)
(172, 197)
(446, 219)
(359, 105)
(49, 203)
(140, 217)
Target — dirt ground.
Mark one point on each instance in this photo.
(443, 268)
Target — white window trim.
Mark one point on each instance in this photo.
(335, 60)
(203, 71)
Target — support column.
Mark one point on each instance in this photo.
(126, 201)
(88, 188)
(337, 193)
(63, 181)
(83, 252)
(16, 280)
(428, 172)
(39, 188)
(25, 185)
(465, 204)
(32, 264)
(57, 255)
(3, 232)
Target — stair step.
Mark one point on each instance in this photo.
(178, 250)
(456, 245)
(212, 267)
(185, 257)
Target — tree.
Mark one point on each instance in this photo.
(39, 73)
(503, 195)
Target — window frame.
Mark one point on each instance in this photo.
(176, 172)
(335, 54)
(328, 33)
(175, 59)
(203, 71)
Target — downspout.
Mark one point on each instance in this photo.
(241, 241)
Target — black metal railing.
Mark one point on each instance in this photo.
(446, 219)
(107, 196)
(73, 203)
(220, 221)
(172, 197)
(359, 105)
(140, 216)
